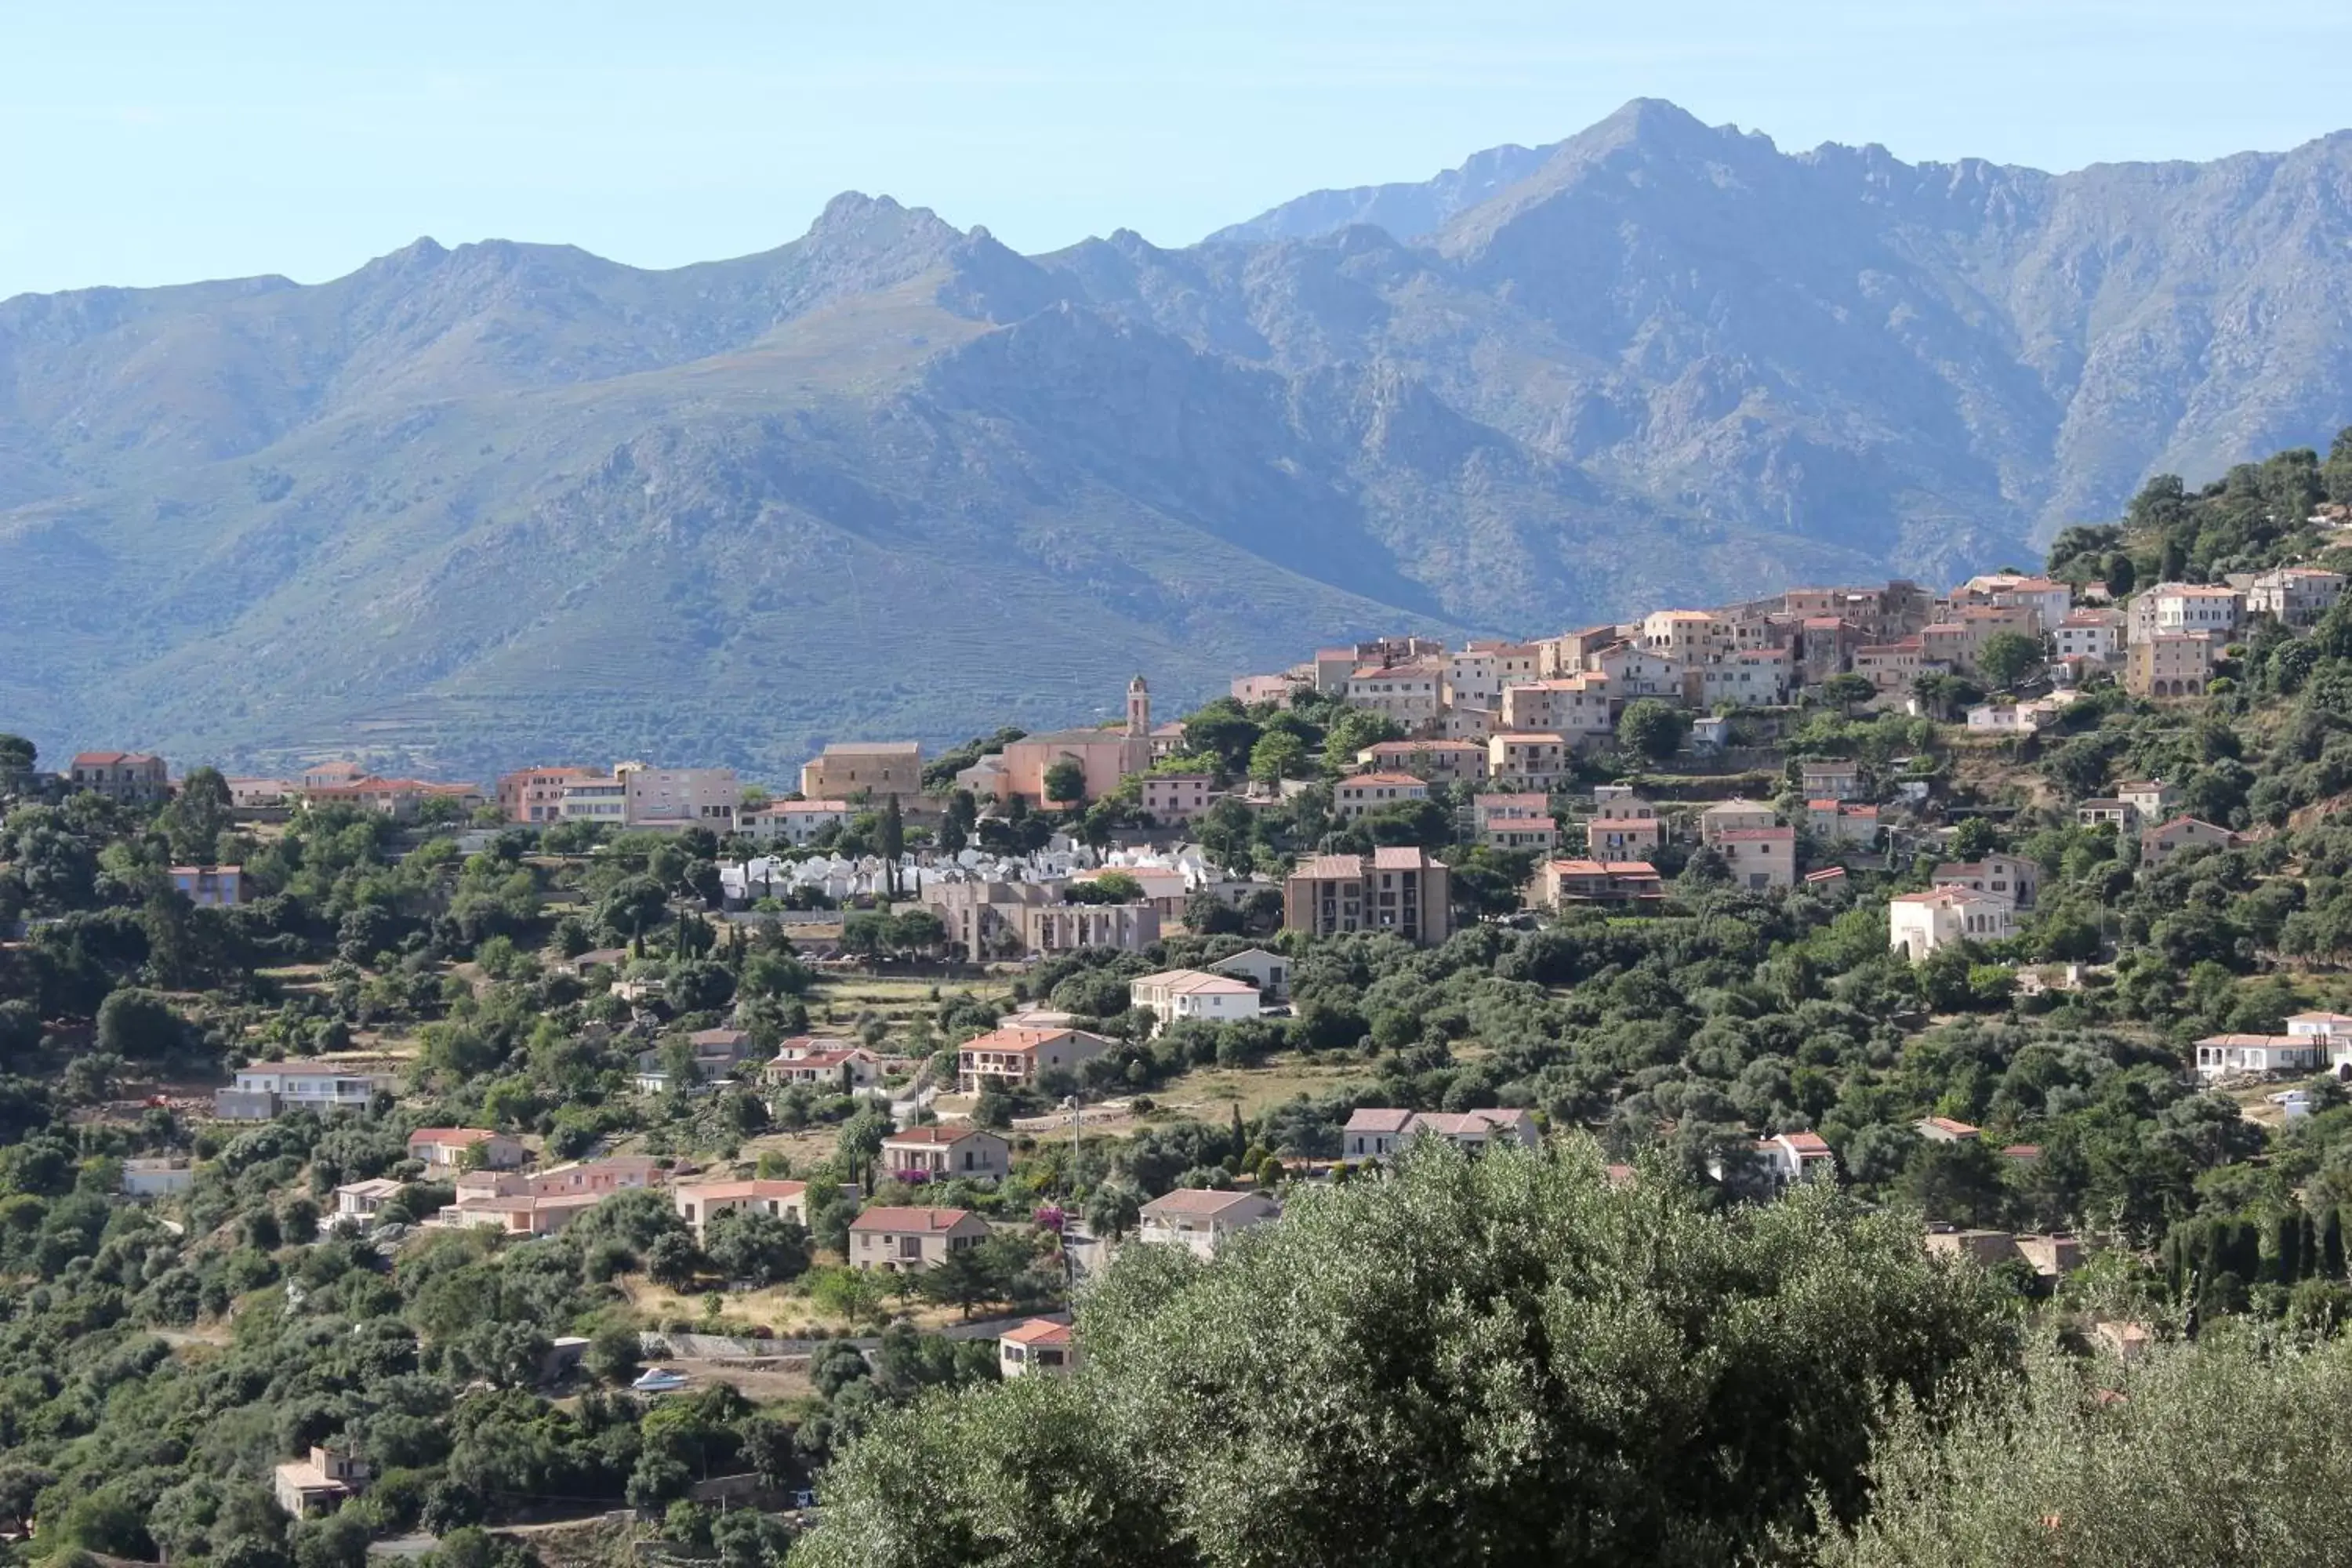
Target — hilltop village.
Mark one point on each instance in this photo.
(605, 1148)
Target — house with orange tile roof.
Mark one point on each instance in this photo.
(699, 1203)
(1363, 794)
(938, 1152)
(2162, 842)
(1202, 1220)
(1174, 993)
(909, 1240)
(451, 1147)
(133, 777)
(1517, 822)
(1581, 881)
(1455, 761)
(1759, 858)
(1015, 1057)
(1944, 1129)
(1040, 1345)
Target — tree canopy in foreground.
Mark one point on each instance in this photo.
(2225, 1453)
(1472, 1361)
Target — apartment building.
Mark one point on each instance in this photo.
(799, 823)
(1572, 651)
(1066, 928)
(2296, 596)
(2047, 599)
(2170, 664)
(679, 797)
(1884, 614)
(534, 796)
(2096, 635)
(1635, 672)
(1759, 858)
(1517, 822)
(1451, 762)
(1892, 667)
(1625, 834)
(1581, 880)
(1578, 707)
(1825, 647)
(1687, 637)
(1176, 797)
(1364, 793)
(1747, 678)
(595, 798)
(1841, 822)
(1400, 890)
(1536, 759)
(1412, 693)
(1735, 816)
(2186, 607)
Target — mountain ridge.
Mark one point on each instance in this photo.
(891, 476)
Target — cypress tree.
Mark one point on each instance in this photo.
(2284, 1265)
(2331, 1243)
(2245, 1250)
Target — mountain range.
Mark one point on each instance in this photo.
(468, 509)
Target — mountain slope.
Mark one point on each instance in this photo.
(467, 507)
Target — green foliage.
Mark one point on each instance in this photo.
(2092, 1464)
(1065, 783)
(2008, 659)
(1318, 1395)
(1652, 729)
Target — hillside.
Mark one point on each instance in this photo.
(465, 508)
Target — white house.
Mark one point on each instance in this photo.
(795, 822)
(1174, 993)
(1201, 1220)
(1269, 972)
(1374, 1133)
(1920, 923)
(264, 1088)
(2227, 1056)
(1039, 1345)
(157, 1178)
(1793, 1157)
(359, 1200)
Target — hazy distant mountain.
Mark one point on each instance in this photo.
(513, 501)
(1407, 211)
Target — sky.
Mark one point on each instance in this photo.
(145, 144)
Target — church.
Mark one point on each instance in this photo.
(1105, 756)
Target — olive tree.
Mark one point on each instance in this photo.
(1474, 1361)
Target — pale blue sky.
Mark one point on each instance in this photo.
(158, 142)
